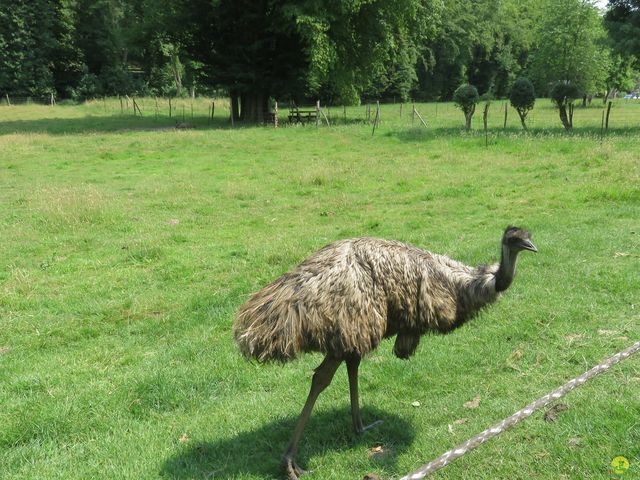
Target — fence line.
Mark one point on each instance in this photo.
(443, 114)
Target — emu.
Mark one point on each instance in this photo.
(347, 297)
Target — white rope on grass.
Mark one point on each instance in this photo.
(448, 457)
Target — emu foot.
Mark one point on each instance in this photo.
(360, 429)
(293, 469)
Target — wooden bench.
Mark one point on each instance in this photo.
(302, 116)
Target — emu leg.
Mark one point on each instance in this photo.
(352, 369)
(321, 380)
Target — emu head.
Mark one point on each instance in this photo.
(517, 239)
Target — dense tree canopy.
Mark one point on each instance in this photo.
(571, 47)
(338, 50)
(623, 23)
(27, 43)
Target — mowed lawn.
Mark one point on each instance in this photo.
(127, 247)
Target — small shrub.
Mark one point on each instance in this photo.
(466, 97)
(523, 98)
(562, 94)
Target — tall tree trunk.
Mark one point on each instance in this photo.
(254, 106)
(564, 118)
(523, 117)
(235, 111)
(175, 69)
(468, 115)
(571, 115)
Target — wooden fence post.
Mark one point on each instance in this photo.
(6, 95)
(317, 113)
(375, 121)
(416, 112)
(121, 105)
(169, 107)
(135, 106)
(413, 113)
(505, 115)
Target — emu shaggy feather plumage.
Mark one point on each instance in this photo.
(351, 294)
(344, 299)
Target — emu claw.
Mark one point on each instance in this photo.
(293, 469)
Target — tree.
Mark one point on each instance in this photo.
(253, 49)
(355, 44)
(103, 35)
(447, 55)
(466, 97)
(569, 48)
(523, 98)
(26, 46)
(622, 21)
(562, 95)
(620, 76)
(65, 55)
(482, 42)
(292, 49)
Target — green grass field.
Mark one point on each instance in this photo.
(127, 247)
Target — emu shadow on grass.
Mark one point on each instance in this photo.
(258, 452)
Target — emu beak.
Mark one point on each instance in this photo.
(527, 245)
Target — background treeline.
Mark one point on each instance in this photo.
(338, 50)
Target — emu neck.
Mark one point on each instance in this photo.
(507, 269)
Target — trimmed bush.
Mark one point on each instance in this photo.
(563, 94)
(523, 98)
(466, 97)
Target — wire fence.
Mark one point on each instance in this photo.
(32, 100)
(203, 111)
